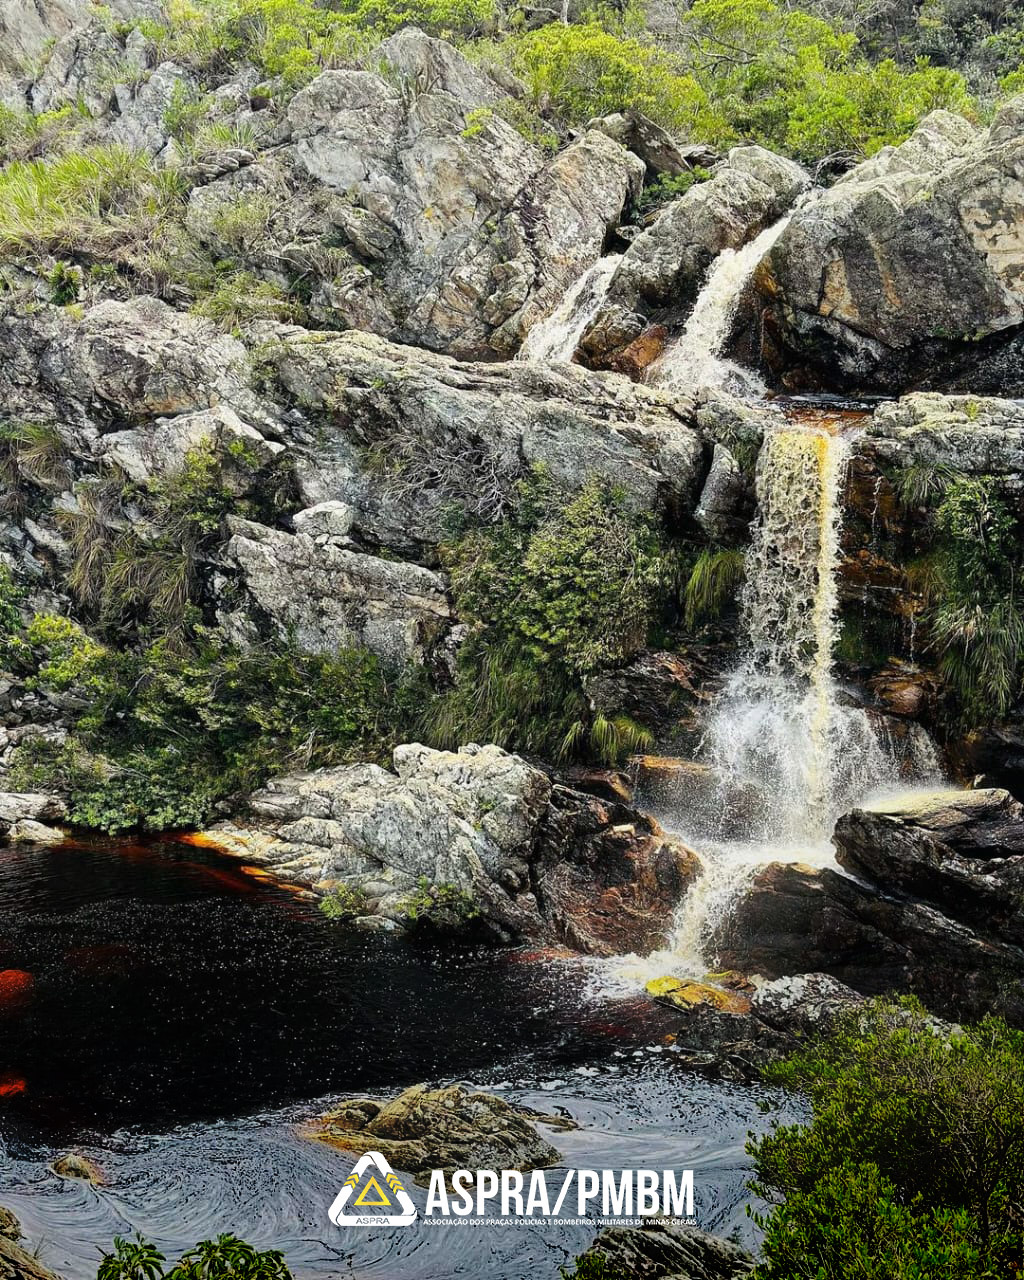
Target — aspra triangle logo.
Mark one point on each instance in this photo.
(381, 1202)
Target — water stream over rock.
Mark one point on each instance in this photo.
(557, 336)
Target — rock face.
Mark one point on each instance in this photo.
(669, 1251)
(532, 858)
(23, 816)
(933, 909)
(449, 229)
(436, 431)
(327, 598)
(892, 276)
(16, 1264)
(662, 270)
(451, 1128)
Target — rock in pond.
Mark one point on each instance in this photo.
(75, 1165)
(529, 857)
(668, 1251)
(449, 1128)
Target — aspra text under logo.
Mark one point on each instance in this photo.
(376, 1205)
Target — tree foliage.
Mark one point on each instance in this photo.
(913, 1163)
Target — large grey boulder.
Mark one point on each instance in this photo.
(326, 597)
(413, 209)
(533, 858)
(399, 433)
(928, 903)
(899, 273)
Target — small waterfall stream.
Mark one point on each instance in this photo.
(557, 336)
(694, 359)
(784, 754)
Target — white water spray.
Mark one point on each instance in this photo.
(558, 335)
(694, 359)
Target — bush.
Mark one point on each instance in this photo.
(226, 1258)
(163, 735)
(914, 1160)
(559, 589)
(343, 902)
(974, 619)
(584, 71)
(101, 202)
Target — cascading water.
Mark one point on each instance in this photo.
(787, 757)
(558, 335)
(694, 359)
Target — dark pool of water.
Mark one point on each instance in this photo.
(167, 986)
(174, 1017)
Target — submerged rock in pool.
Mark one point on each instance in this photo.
(668, 1249)
(78, 1166)
(450, 1128)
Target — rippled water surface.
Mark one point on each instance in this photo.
(174, 1017)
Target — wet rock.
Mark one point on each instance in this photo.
(608, 878)
(726, 504)
(669, 1251)
(450, 1128)
(666, 265)
(20, 808)
(962, 851)
(794, 918)
(76, 1166)
(528, 858)
(893, 275)
(685, 993)
(29, 832)
(656, 689)
(326, 597)
(606, 784)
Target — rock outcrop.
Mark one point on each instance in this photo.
(531, 858)
(450, 1128)
(15, 1262)
(669, 1251)
(908, 270)
(660, 274)
(30, 817)
(932, 910)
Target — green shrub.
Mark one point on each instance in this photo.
(438, 906)
(166, 732)
(559, 589)
(918, 1131)
(585, 70)
(101, 201)
(713, 582)
(668, 187)
(343, 902)
(226, 1258)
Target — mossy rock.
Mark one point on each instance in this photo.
(687, 994)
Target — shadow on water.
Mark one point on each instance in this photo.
(175, 1017)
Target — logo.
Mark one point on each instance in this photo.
(392, 1197)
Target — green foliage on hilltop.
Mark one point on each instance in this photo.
(559, 589)
(913, 1164)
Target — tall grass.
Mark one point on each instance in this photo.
(98, 202)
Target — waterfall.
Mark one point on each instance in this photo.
(784, 755)
(557, 336)
(694, 359)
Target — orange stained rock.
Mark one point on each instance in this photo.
(15, 984)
